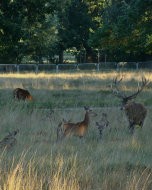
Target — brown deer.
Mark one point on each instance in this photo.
(21, 94)
(102, 124)
(77, 129)
(135, 112)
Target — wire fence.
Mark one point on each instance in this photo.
(102, 66)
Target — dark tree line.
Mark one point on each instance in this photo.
(34, 29)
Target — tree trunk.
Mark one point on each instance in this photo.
(61, 56)
(90, 55)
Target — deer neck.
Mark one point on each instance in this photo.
(130, 102)
(86, 118)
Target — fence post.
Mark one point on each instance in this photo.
(98, 67)
(36, 68)
(117, 66)
(137, 65)
(57, 68)
(17, 67)
(77, 66)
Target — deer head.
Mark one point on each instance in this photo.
(117, 92)
(90, 111)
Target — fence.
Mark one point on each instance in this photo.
(21, 68)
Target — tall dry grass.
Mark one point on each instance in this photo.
(25, 175)
(119, 161)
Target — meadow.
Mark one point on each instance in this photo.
(118, 161)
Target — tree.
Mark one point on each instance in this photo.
(42, 28)
(75, 26)
(28, 27)
(125, 29)
(10, 30)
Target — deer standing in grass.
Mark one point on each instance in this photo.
(102, 124)
(76, 129)
(135, 112)
(21, 94)
(9, 141)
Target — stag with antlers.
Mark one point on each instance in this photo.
(135, 112)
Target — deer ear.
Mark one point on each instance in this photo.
(86, 108)
(15, 132)
(104, 114)
(64, 121)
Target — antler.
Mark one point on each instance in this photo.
(120, 94)
(116, 90)
(140, 88)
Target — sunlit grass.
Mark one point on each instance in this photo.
(27, 175)
(76, 75)
(81, 88)
(69, 81)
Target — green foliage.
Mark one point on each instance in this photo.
(125, 30)
(28, 28)
(40, 29)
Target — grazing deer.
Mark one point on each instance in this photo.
(135, 112)
(22, 94)
(9, 140)
(77, 129)
(102, 124)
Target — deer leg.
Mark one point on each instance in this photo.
(100, 132)
(141, 124)
(131, 127)
(60, 138)
(60, 133)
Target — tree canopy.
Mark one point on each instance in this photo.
(38, 29)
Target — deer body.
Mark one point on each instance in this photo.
(135, 112)
(75, 129)
(22, 94)
(9, 140)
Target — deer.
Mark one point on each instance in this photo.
(135, 112)
(78, 129)
(102, 124)
(10, 140)
(22, 94)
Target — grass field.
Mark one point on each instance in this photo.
(37, 162)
